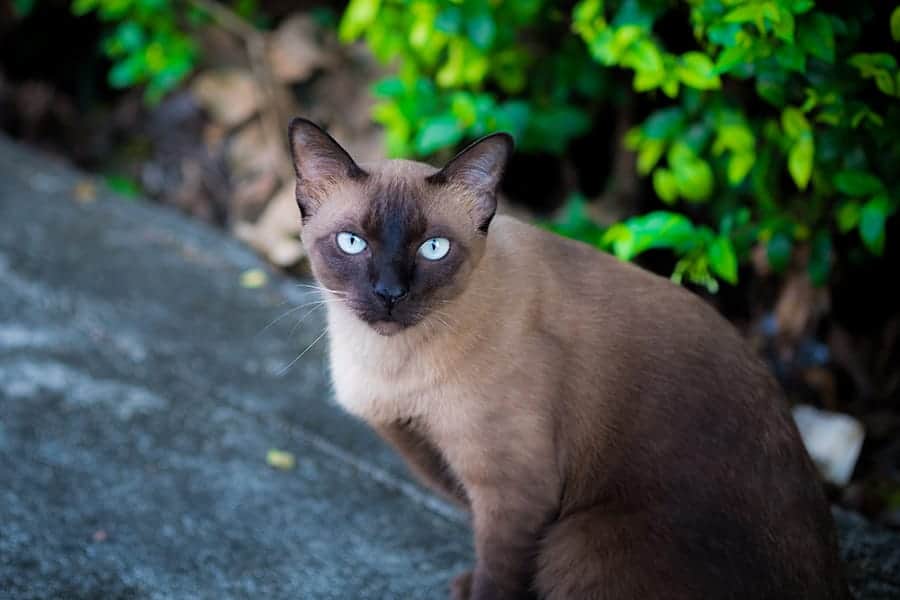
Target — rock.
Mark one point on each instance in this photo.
(276, 234)
(296, 49)
(832, 439)
(872, 556)
(250, 153)
(230, 95)
(139, 397)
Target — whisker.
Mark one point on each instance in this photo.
(299, 356)
(295, 309)
(322, 289)
(304, 317)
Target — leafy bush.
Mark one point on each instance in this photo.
(148, 42)
(774, 120)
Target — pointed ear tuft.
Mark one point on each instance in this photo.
(479, 167)
(319, 161)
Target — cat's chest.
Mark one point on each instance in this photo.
(381, 387)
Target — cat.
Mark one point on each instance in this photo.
(611, 434)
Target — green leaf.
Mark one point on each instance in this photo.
(723, 259)
(885, 82)
(784, 26)
(848, 216)
(731, 57)
(778, 251)
(665, 185)
(123, 186)
(694, 178)
(815, 35)
(872, 218)
(649, 154)
(895, 24)
(697, 70)
(799, 7)
(437, 133)
(663, 124)
(790, 57)
(819, 266)
(358, 16)
(83, 7)
(23, 8)
(739, 165)
(449, 20)
(869, 63)
(800, 160)
(857, 183)
(481, 30)
(794, 122)
(658, 229)
(747, 13)
(770, 86)
(127, 71)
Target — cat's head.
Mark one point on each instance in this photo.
(397, 239)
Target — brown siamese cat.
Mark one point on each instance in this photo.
(611, 434)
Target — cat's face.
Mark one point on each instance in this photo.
(396, 241)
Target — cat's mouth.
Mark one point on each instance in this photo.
(387, 323)
(388, 328)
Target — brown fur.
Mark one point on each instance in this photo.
(611, 434)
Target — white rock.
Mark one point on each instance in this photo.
(295, 51)
(231, 96)
(832, 439)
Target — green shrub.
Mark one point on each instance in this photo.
(148, 42)
(775, 121)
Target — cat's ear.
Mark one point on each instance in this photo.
(479, 168)
(319, 162)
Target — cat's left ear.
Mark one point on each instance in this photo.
(479, 168)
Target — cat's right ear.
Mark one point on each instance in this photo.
(319, 162)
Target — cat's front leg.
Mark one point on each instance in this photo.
(423, 459)
(508, 526)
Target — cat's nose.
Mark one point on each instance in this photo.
(390, 293)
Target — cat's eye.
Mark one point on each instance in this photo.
(350, 242)
(435, 248)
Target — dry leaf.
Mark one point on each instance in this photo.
(230, 96)
(280, 459)
(85, 191)
(253, 278)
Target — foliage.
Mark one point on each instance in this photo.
(148, 43)
(773, 121)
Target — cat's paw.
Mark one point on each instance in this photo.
(461, 587)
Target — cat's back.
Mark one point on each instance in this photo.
(579, 287)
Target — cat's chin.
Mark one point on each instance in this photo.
(387, 328)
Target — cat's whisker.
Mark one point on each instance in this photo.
(306, 315)
(322, 289)
(294, 309)
(305, 350)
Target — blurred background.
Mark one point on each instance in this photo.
(746, 148)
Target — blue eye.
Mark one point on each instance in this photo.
(435, 248)
(350, 242)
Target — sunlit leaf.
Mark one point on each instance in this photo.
(665, 185)
(723, 259)
(696, 70)
(800, 160)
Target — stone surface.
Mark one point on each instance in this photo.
(141, 389)
(140, 392)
